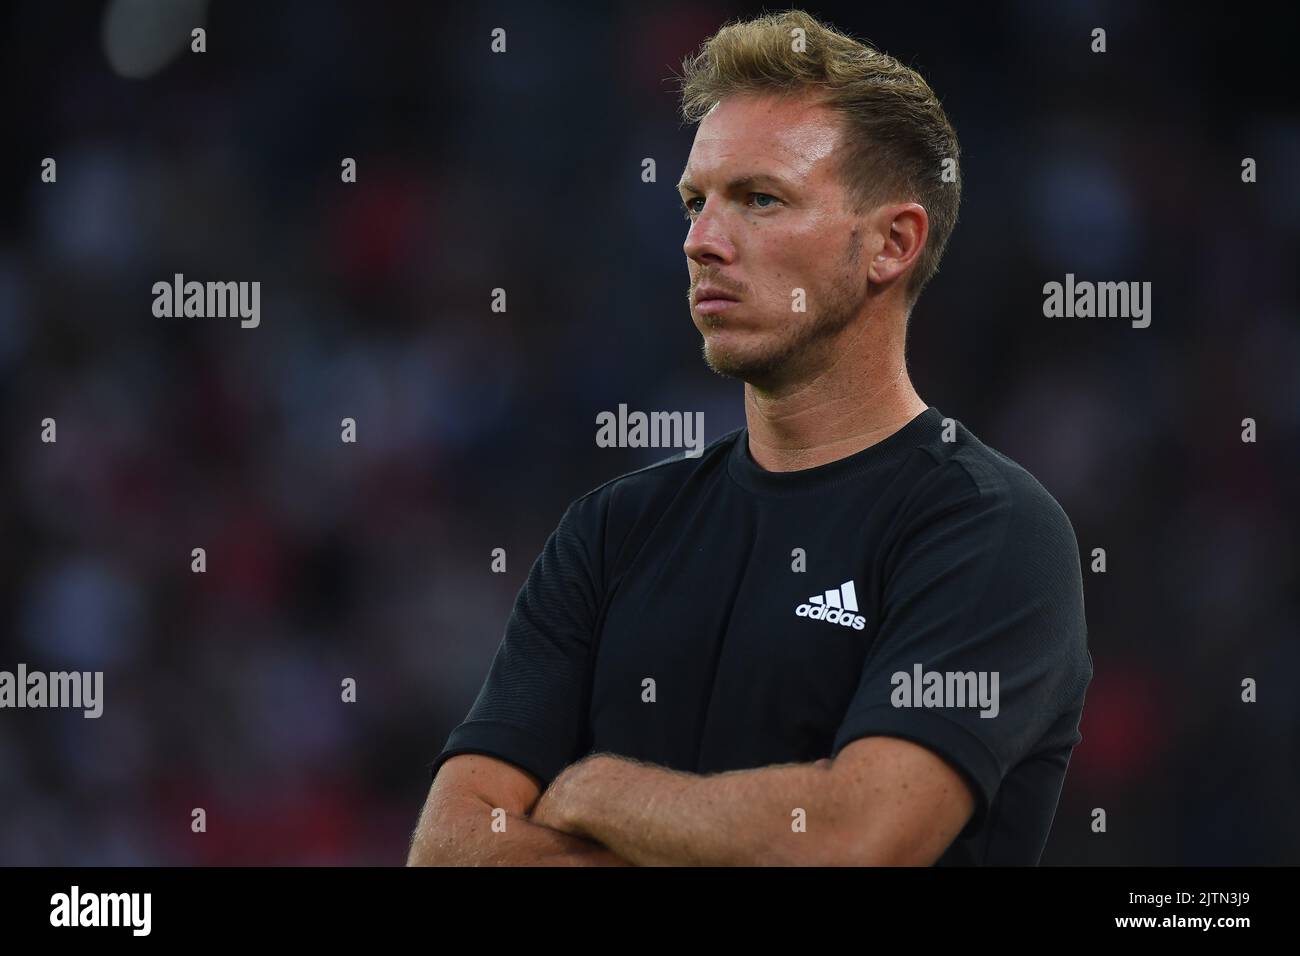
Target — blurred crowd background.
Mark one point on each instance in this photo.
(371, 560)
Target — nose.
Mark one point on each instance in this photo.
(706, 242)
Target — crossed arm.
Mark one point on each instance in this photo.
(882, 801)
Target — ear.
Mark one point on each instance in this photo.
(899, 232)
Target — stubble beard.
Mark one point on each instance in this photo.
(803, 344)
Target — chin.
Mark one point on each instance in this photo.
(735, 360)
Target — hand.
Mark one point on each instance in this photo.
(546, 812)
(557, 806)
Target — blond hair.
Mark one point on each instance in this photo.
(896, 134)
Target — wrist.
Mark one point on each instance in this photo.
(576, 785)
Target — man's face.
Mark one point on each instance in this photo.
(769, 216)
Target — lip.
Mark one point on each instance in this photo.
(707, 291)
(710, 299)
(714, 306)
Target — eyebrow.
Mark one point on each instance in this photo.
(740, 182)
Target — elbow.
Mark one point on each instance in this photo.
(433, 842)
(423, 852)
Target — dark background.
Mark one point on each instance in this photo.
(372, 560)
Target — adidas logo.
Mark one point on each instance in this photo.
(836, 606)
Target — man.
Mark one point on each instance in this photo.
(849, 633)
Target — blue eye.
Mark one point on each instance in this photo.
(688, 212)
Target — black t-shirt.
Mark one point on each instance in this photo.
(705, 614)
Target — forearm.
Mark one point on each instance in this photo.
(458, 831)
(652, 816)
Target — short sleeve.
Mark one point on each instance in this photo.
(982, 645)
(531, 709)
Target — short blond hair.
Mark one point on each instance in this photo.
(897, 135)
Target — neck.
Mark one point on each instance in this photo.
(860, 397)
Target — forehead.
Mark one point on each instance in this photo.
(790, 136)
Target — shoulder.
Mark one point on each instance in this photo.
(965, 474)
(980, 524)
(645, 488)
(969, 514)
(609, 522)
